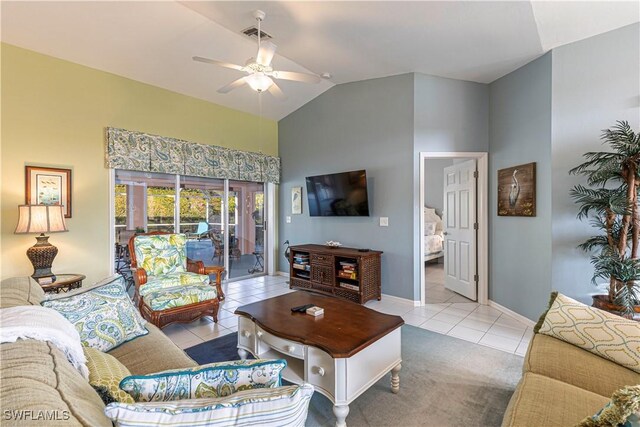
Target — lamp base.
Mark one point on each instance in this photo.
(41, 256)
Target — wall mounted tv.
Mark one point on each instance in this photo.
(338, 194)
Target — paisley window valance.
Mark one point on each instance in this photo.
(153, 153)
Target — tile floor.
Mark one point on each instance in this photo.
(454, 317)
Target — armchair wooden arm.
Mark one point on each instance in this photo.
(218, 271)
(139, 276)
(195, 266)
(139, 279)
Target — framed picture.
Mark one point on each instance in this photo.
(48, 186)
(296, 200)
(517, 190)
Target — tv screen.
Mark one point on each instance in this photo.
(338, 194)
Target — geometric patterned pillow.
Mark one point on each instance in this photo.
(106, 372)
(206, 381)
(604, 334)
(623, 410)
(272, 407)
(104, 317)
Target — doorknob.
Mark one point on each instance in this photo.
(446, 233)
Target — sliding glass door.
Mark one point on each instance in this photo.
(201, 207)
(212, 218)
(246, 228)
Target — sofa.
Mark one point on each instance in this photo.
(562, 384)
(38, 385)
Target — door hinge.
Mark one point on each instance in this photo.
(476, 278)
(475, 174)
(475, 225)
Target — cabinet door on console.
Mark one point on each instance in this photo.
(322, 274)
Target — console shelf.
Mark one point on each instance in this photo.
(343, 272)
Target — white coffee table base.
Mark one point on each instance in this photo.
(341, 380)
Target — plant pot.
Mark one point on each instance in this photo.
(602, 302)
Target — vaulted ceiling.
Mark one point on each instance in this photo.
(153, 41)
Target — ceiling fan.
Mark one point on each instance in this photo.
(259, 72)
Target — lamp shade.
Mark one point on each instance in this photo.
(40, 219)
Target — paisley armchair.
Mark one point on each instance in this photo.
(169, 287)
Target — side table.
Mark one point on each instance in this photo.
(218, 270)
(64, 283)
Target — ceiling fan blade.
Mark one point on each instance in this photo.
(220, 63)
(296, 77)
(275, 90)
(233, 85)
(265, 54)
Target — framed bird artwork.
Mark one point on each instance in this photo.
(517, 190)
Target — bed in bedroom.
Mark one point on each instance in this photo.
(433, 235)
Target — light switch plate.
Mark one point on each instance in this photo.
(288, 219)
(384, 221)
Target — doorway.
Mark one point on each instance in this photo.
(453, 232)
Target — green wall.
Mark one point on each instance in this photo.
(55, 112)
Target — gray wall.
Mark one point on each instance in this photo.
(449, 115)
(550, 111)
(520, 132)
(434, 183)
(361, 125)
(595, 82)
(380, 125)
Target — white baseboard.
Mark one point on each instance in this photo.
(402, 300)
(282, 273)
(511, 313)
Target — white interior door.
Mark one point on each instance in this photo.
(459, 228)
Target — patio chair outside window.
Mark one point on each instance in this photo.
(201, 233)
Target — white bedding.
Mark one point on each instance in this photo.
(433, 238)
(433, 244)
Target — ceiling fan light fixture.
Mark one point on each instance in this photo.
(259, 82)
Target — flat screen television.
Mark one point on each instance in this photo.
(338, 194)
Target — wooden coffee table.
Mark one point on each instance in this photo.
(342, 352)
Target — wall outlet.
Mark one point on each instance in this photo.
(288, 219)
(384, 221)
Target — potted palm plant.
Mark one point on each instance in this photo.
(609, 200)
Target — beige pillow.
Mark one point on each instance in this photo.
(607, 335)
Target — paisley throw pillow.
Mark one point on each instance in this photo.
(212, 380)
(104, 317)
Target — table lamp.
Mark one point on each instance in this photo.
(41, 219)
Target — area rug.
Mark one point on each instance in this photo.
(444, 381)
(218, 350)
